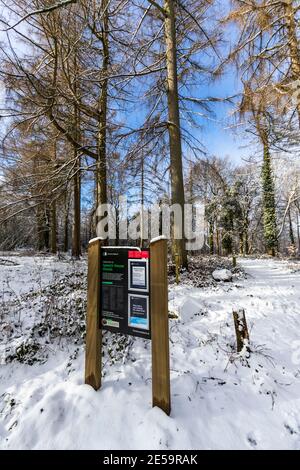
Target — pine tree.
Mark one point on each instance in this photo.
(230, 214)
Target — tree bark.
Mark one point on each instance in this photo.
(43, 215)
(211, 238)
(291, 27)
(218, 241)
(53, 228)
(76, 239)
(76, 243)
(142, 229)
(291, 232)
(66, 221)
(40, 228)
(46, 232)
(101, 172)
(298, 229)
(177, 186)
(246, 243)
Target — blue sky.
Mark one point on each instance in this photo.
(223, 136)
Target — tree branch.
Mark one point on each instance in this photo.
(160, 8)
(60, 4)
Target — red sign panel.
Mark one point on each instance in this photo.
(135, 254)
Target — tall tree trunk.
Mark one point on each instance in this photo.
(290, 21)
(177, 186)
(246, 242)
(46, 227)
(241, 242)
(142, 229)
(40, 228)
(76, 242)
(211, 238)
(66, 233)
(66, 221)
(218, 241)
(43, 216)
(298, 229)
(291, 232)
(53, 215)
(101, 172)
(53, 228)
(245, 234)
(76, 239)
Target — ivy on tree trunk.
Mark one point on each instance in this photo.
(269, 210)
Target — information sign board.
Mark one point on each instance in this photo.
(124, 291)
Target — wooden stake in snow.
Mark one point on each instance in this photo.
(241, 329)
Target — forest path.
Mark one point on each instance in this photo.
(275, 286)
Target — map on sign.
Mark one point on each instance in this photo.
(124, 291)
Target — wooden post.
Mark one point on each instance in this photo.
(93, 351)
(241, 330)
(160, 326)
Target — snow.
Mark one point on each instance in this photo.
(222, 275)
(96, 239)
(157, 239)
(220, 400)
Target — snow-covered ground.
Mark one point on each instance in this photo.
(220, 400)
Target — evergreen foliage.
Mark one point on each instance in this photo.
(269, 209)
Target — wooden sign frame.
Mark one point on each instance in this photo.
(159, 322)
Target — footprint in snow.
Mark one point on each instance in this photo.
(290, 429)
(252, 441)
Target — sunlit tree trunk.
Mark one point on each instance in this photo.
(177, 186)
(101, 173)
(290, 21)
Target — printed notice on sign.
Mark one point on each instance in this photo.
(138, 311)
(138, 275)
